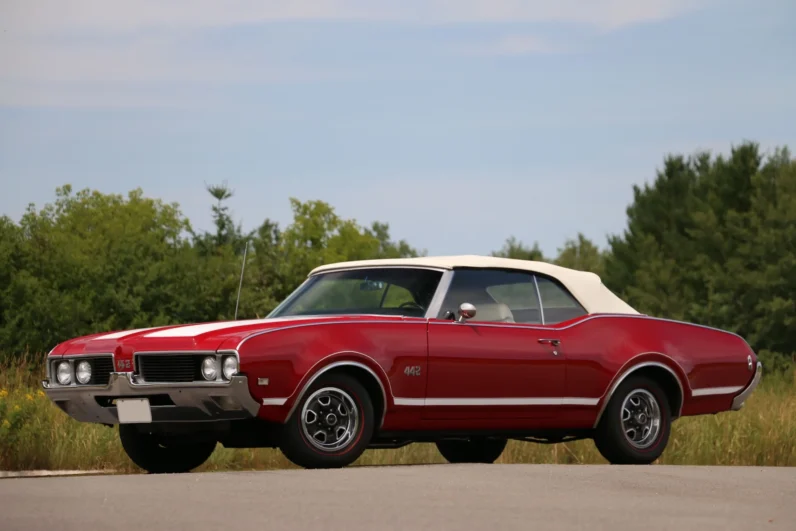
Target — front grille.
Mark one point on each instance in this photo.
(101, 369)
(168, 368)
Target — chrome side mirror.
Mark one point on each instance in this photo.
(466, 311)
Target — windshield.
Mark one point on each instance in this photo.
(387, 291)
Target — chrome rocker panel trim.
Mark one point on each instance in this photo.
(193, 402)
(738, 401)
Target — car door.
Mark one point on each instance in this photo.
(502, 363)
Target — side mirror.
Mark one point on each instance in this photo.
(466, 311)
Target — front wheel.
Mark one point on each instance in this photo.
(481, 450)
(332, 424)
(158, 455)
(636, 424)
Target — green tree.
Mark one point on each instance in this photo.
(10, 247)
(92, 262)
(713, 241)
(228, 234)
(581, 254)
(281, 259)
(513, 248)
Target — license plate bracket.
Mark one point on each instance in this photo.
(133, 410)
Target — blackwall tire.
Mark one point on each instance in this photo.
(149, 452)
(635, 426)
(481, 450)
(332, 424)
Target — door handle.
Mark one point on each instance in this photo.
(554, 342)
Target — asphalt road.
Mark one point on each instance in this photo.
(434, 497)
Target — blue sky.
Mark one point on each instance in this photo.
(460, 123)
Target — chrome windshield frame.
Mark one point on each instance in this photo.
(434, 306)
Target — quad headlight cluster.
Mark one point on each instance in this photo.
(66, 372)
(228, 368)
(80, 372)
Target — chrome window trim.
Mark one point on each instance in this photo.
(392, 266)
(293, 294)
(560, 285)
(538, 298)
(607, 396)
(447, 280)
(296, 291)
(441, 292)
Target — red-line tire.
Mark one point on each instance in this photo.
(353, 422)
(477, 450)
(611, 436)
(150, 452)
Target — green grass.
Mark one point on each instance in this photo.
(35, 434)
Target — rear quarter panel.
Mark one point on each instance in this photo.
(600, 349)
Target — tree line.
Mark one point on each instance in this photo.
(711, 240)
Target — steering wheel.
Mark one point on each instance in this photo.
(411, 304)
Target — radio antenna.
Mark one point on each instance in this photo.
(240, 285)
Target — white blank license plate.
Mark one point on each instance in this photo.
(133, 410)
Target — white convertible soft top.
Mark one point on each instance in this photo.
(585, 286)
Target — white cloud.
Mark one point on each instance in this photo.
(124, 15)
(512, 45)
(48, 46)
(145, 58)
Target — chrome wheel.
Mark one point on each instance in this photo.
(641, 418)
(330, 419)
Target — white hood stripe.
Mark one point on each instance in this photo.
(123, 333)
(199, 329)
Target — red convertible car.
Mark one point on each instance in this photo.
(466, 352)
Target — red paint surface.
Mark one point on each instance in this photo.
(470, 360)
(465, 360)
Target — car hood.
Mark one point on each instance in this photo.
(189, 337)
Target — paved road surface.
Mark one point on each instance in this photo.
(434, 497)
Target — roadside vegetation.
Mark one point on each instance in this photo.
(35, 434)
(710, 240)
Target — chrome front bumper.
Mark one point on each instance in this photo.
(169, 402)
(738, 401)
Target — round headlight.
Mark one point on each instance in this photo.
(64, 373)
(230, 367)
(209, 368)
(83, 372)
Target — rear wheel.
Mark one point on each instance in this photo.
(332, 424)
(159, 455)
(478, 450)
(636, 423)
